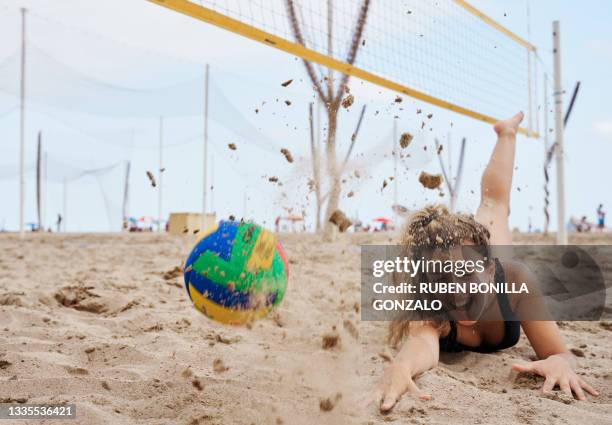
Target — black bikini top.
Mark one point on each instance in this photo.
(512, 327)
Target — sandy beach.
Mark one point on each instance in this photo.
(103, 321)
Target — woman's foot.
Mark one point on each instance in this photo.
(509, 127)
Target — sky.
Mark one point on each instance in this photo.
(98, 49)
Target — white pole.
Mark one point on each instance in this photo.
(559, 150)
(160, 174)
(537, 93)
(39, 178)
(65, 204)
(546, 106)
(452, 185)
(529, 83)
(395, 155)
(450, 156)
(546, 147)
(126, 196)
(22, 184)
(205, 159)
(318, 139)
(212, 184)
(46, 160)
(529, 95)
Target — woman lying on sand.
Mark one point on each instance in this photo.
(433, 227)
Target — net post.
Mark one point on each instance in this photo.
(160, 174)
(212, 183)
(22, 184)
(395, 154)
(45, 184)
(451, 190)
(205, 149)
(64, 205)
(537, 94)
(39, 181)
(126, 194)
(529, 95)
(546, 147)
(560, 152)
(529, 82)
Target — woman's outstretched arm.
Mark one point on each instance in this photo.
(496, 182)
(419, 353)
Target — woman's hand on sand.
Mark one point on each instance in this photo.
(557, 370)
(396, 381)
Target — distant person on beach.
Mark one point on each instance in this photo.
(58, 222)
(572, 224)
(434, 230)
(601, 218)
(584, 225)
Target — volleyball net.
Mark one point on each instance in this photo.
(446, 53)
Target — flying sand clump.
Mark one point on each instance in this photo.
(430, 181)
(348, 101)
(340, 220)
(405, 140)
(287, 154)
(327, 404)
(151, 178)
(219, 366)
(331, 340)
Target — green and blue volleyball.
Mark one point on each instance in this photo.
(236, 273)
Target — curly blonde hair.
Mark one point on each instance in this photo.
(430, 228)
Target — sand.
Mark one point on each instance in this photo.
(103, 321)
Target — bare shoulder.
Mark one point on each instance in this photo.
(517, 272)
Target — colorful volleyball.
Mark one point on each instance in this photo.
(236, 273)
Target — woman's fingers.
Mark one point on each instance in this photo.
(389, 400)
(588, 388)
(549, 384)
(575, 385)
(415, 391)
(565, 387)
(525, 367)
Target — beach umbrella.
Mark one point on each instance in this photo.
(382, 220)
